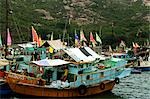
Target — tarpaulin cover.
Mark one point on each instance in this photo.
(94, 54)
(78, 56)
(56, 44)
(50, 62)
(4, 62)
(85, 52)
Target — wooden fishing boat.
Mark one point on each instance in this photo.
(66, 79)
(4, 87)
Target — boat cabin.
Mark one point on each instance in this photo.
(59, 73)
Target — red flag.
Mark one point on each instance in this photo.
(35, 36)
(92, 38)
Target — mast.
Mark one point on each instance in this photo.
(7, 13)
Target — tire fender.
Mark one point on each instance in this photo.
(102, 86)
(117, 80)
(82, 89)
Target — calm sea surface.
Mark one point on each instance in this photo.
(136, 86)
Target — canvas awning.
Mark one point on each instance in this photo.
(50, 62)
(78, 56)
(25, 45)
(94, 54)
(56, 44)
(4, 62)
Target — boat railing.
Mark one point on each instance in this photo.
(26, 79)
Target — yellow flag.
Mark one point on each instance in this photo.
(51, 49)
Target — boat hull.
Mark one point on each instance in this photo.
(4, 88)
(143, 68)
(41, 91)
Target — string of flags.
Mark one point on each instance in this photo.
(78, 42)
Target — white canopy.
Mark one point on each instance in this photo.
(78, 56)
(24, 45)
(4, 62)
(50, 62)
(56, 44)
(94, 54)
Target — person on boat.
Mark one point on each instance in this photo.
(25, 72)
(64, 77)
(2, 73)
(39, 73)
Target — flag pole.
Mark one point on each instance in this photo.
(100, 34)
(7, 13)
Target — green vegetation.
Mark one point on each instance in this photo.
(118, 19)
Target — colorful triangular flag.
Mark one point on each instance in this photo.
(82, 37)
(98, 39)
(137, 45)
(40, 41)
(122, 44)
(9, 40)
(35, 36)
(1, 41)
(133, 44)
(52, 36)
(110, 49)
(77, 41)
(51, 50)
(92, 39)
(147, 42)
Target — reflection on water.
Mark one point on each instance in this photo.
(136, 86)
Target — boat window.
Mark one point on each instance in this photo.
(80, 72)
(119, 56)
(19, 59)
(87, 77)
(71, 78)
(81, 66)
(102, 74)
(123, 56)
(114, 56)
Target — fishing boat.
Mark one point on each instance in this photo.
(4, 87)
(60, 78)
(131, 60)
(143, 66)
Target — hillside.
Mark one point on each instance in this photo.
(115, 19)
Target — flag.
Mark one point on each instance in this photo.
(133, 44)
(84, 44)
(52, 36)
(82, 37)
(137, 45)
(92, 40)
(9, 41)
(51, 50)
(39, 41)
(98, 39)
(35, 36)
(110, 49)
(122, 44)
(147, 42)
(0, 40)
(77, 42)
